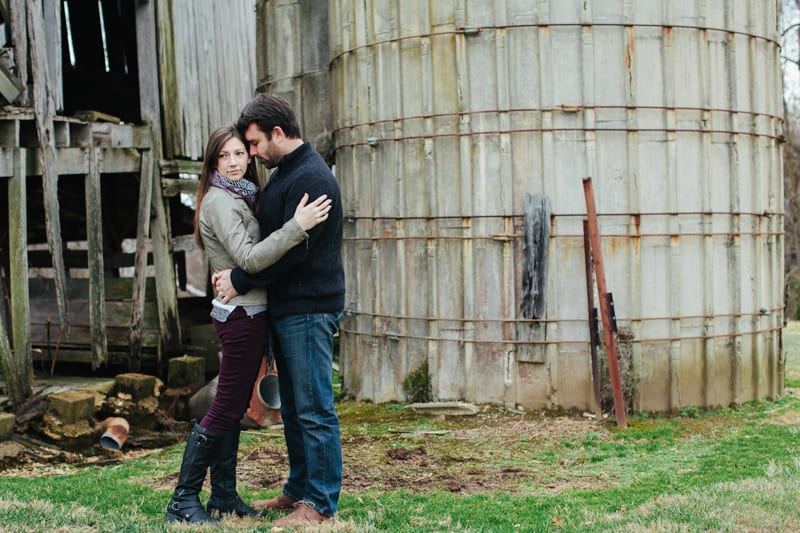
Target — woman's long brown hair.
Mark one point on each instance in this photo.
(210, 157)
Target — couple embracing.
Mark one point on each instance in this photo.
(276, 258)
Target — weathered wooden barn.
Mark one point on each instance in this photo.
(106, 109)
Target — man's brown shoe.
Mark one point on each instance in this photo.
(281, 502)
(304, 514)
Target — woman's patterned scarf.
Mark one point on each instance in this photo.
(242, 187)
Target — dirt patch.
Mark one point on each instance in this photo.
(486, 452)
(386, 450)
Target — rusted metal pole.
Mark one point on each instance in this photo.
(605, 311)
(594, 339)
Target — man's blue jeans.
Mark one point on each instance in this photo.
(310, 423)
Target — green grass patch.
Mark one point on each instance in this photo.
(725, 469)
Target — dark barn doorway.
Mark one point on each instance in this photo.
(99, 57)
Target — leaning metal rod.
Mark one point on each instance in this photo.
(605, 312)
(593, 337)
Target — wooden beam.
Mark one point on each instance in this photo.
(44, 111)
(51, 11)
(19, 41)
(173, 131)
(180, 166)
(21, 376)
(173, 187)
(166, 288)
(121, 160)
(94, 238)
(9, 372)
(10, 86)
(75, 161)
(110, 135)
(140, 271)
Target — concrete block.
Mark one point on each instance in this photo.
(71, 406)
(6, 426)
(185, 370)
(138, 386)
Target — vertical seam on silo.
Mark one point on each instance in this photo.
(471, 191)
(587, 101)
(776, 185)
(468, 183)
(707, 206)
(674, 219)
(508, 279)
(434, 347)
(756, 241)
(546, 79)
(735, 205)
(403, 365)
(632, 141)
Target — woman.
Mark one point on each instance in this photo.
(227, 230)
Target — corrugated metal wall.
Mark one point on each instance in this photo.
(447, 113)
(207, 53)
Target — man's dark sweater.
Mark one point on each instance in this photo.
(310, 277)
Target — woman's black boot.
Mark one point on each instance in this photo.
(224, 498)
(201, 450)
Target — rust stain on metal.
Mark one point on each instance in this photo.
(636, 241)
(618, 244)
(630, 49)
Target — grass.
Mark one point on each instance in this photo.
(733, 469)
(791, 350)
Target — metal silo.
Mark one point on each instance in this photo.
(448, 113)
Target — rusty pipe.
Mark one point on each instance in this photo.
(115, 433)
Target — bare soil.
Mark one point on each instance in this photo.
(490, 451)
(387, 448)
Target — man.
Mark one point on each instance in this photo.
(305, 293)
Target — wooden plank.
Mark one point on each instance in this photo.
(116, 289)
(94, 238)
(72, 259)
(19, 41)
(73, 160)
(19, 380)
(80, 336)
(7, 162)
(10, 86)
(166, 287)
(142, 234)
(119, 160)
(13, 382)
(534, 273)
(51, 11)
(173, 129)
(44, 329)
(174, 187)
(181, 166)
(76, 355)
(535, 247)
(166, 290)
(44, 111)
(117, 313)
